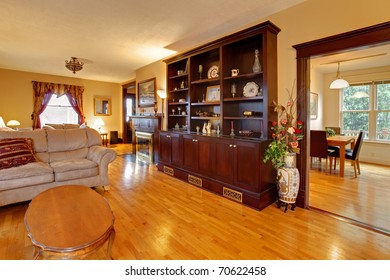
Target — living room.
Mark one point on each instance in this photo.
(306, 21)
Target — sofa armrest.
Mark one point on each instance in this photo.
(102, 156)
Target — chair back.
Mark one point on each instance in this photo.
(318, 144)
(335, 129)
(358, 146)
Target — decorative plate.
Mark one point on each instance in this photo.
(213, 72)
(251, 89)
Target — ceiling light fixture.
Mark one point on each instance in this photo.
(339, 82)
(74, 64)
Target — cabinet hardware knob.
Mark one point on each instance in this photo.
(230, 145)
(234, 146)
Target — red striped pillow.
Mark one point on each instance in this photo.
(15, 152)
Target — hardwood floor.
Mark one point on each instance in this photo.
(365, 199)
(160, 217)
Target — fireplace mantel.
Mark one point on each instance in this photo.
(150, 124)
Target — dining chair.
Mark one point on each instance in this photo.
(319, 147)
(352, 155)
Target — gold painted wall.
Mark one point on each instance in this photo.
(16, 97)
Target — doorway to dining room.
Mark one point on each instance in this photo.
(364, 200)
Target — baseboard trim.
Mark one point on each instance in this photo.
(352, 221)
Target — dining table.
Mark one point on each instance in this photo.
(341, 141)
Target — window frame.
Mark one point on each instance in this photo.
(373, 111)
(76, 116)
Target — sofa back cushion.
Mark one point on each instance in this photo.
(63, 144)
(38, 138)
(94, 138)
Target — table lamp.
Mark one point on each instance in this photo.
(13, 124)
(99, 123)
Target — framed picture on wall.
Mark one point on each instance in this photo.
(313, 106)
(147, 93)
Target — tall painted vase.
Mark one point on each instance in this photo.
(288, 182)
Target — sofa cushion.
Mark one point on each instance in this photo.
(72, 164)
(26, 175)
(55, 125)
(38, 137)
(71, 126)
(68, 155)
(15, 152)
(60, 140)
(74, 169)
(32, 169)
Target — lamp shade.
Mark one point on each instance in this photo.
(162, 94)
(98, 122)
(339, 83)
(13, 123)
(2, 124)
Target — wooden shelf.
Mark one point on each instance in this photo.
(178, 90)
(204, 118)
(178, 76)
(232, 52)
(244, 76)
(243, 98)
(213, 103)
(177, 115)
(243, 118)
(178, 103)
(205, 81)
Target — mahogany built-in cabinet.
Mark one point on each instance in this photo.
(202, 89)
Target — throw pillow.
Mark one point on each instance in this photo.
(15, 152)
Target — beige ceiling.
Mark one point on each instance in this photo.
(365, 58)
(114, 38)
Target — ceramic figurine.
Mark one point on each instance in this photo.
(204, 130)
(208, 128)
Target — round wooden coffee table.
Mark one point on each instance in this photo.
(69, 222)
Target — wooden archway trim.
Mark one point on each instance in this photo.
(358, 39)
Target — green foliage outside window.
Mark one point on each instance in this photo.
(361, 103)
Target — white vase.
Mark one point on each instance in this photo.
(288, 182)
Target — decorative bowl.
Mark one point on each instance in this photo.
(245, 133)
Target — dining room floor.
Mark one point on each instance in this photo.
(364, 199)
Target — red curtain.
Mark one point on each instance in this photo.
(43, 92)
(75, 97)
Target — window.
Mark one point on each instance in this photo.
(59, 110)
(367, 107)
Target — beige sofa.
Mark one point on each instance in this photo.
(64, 156)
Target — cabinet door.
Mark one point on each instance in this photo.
(205, 151)
(165, 147)
(223, 161)
(246, 165)
(176, 150)
(190, 152)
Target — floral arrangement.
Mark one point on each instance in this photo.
(286, 133)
